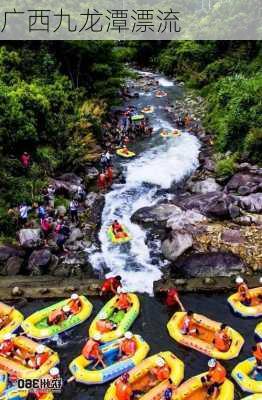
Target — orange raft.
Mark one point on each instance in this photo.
(13, 365)
(203, 342)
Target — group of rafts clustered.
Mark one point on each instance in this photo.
(116, 364)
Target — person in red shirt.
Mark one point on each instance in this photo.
(25, 159)
(117, 228)
(215, 377)
(91, 351)
(161, 371)
(257, 353)
(111, 285)
(101, 183)
(7, 347)
(109, 175)
(123, 302)
(172, 298)
(128, 346)
(123, 388)
(222, 341)
(40, 357)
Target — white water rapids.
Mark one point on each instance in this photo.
(163, 162)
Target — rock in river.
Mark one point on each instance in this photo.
(209, 264)
(155, 215)
(176, 244)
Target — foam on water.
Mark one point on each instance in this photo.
(165, 82)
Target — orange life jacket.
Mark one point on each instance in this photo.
(40, 359)
(56, 316)
(123, 390)
(243, 291)
(123, 302)
(258, 352)
(217, 374)
(128, 347)
(7, 347)
(222, 341)
(104, 326)
(91, 349)
(75, 306)
(162, 373)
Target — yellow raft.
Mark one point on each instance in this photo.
(253, 397)
(125, 154)
(258, 330)
(14, 320)
(36, 325)
(148, 110)
(13, 393)
(126, 238)
(241, 373)
(136, 374)
(82, 370)
(254, 310)
(174, 133)
(14, 366)
(123, 326)
(194, 389)
(160, 94)
(204, 341)
(3, 381)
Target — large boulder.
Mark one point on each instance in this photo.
(71, 178)
(156, 215)
(244, 183)
(176, 244)
(30, 238)
(208, 185)
(251, 203)
(185, 219)
(64, 187)
(7, 251)
(74, 265)
(39, 262)
(14, 265)
(209, 264)
(76, 234)
(91, 174)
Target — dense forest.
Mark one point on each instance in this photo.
(54, 97)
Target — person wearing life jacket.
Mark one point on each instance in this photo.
(91, 351)
(172, 298)
(123, 388)
(56, 317)
(109, 175)
(4, 318)
(101, 183)
(127, 346)
(103, 325)
(189, 325)
(222, 341)
(40, 357)
(67, 311)
(125, 149)
(75, 304)
(162, 371)
(54, 373)
(7, 346)
(116, 227)
(243, 291)
(123, 302)
(110, 285)
(257, 353)
(215, 377)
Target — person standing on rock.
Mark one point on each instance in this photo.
(23, 213)
(109, 175)
(51, 196)
(73, 208)
(101, 183)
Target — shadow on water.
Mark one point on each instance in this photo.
(151, 325)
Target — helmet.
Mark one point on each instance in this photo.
(97, 337)
(119, 290)
(66, 309)
(74, 296)
(40, 349)
(128, 335)
(102, 316)
(160, 362)
(239, 279)
(211, 363)
(8, 336)
(54, 371)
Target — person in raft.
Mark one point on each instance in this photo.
(189, 326)
(125, 149)
(39, 358)
(110, 285)
(127, 346)
(7, 347)
(118, 229)
(5, 317)
(215, 377)
(123, 302)
(103, 325)
(243, 291)
(123, 388)
(91, 351)
(257, 353)
(75, 304)
(222, 340)
(161, 372)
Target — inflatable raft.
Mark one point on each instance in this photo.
(13, 393)
(3, 381)
(82, 370)
(174, 133)
(253, 397)
(242, 375)
(255, 308)
(28, 346)
(137, 374)
(193, 389)
(36, 325)
(258, 331)
(148, 110)
(203, 342)
(109, 309)
(161, 94)
(137, 117)
(119, 240)
(125, 154)
(13, 321)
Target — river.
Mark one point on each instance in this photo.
(160, 162)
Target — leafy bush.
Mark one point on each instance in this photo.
(226, 167)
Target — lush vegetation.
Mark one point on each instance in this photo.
(228, 73)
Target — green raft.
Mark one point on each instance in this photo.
(137, 117)
(121, 240)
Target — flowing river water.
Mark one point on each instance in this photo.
(159, 163)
